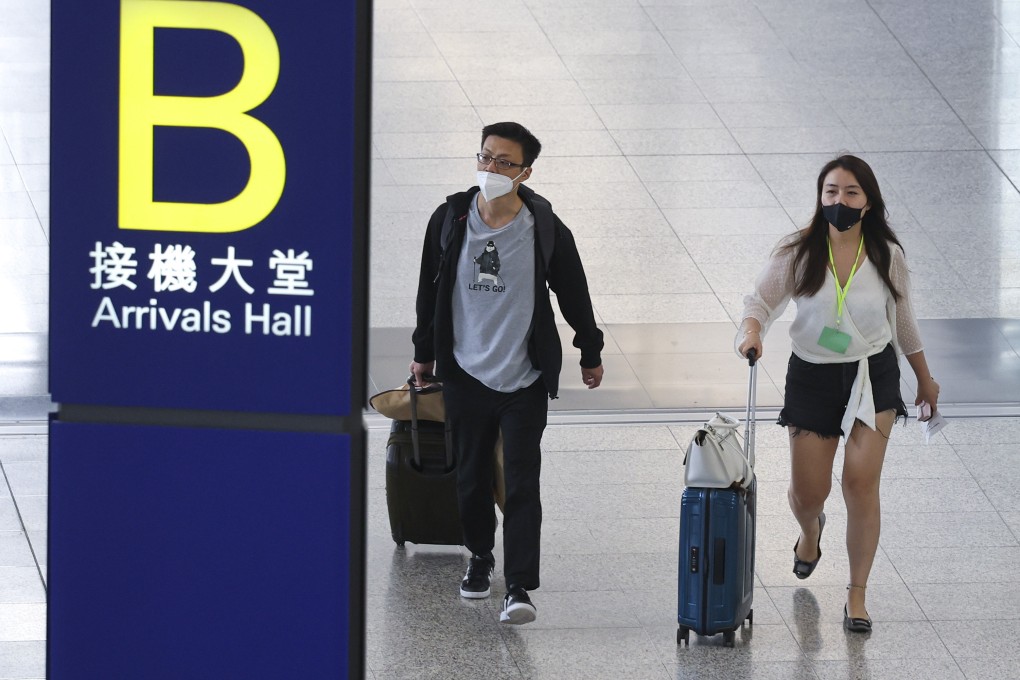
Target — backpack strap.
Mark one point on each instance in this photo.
(545, 230)
(445, 239)
(446, 235)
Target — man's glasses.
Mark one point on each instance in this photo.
(502, 164)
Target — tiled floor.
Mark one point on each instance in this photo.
(681, 140)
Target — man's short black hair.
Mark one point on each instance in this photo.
(515, 132)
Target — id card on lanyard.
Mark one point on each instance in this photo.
(833, 338)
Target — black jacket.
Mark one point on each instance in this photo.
(433, 336)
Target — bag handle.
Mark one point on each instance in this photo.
(752, 395)
(413, 393)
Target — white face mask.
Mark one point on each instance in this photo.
(494, 185)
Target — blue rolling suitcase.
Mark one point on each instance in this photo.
(716, 567)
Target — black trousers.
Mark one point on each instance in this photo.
(477, 414)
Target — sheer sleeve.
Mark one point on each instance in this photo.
(772, 290)
(906, 335)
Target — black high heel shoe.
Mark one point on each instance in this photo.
(802, 568)
(855, 625)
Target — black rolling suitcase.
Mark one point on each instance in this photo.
(717, 542)
(421, 478)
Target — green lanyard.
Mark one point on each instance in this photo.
(841, 291)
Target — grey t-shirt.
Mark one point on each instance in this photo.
(494, 300)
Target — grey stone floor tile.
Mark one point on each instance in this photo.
(715, 194)
(653, 607)
(9, 520)
(27, 478)
(758, 140)
(990, 668)
(677, 89)
(626, 67)
(679, 338)
(39, 546)
(890, 669)
(968, 601)
(571, 573)
(477, 646)
(644, 572)
(568, 536)
(565, 92)
(623, 276)
(979, 431)
(612, 467)
(932, 461)
(708, 395)
(990, 461)
(666, 141)
(607, 438)
(956, 565)
(14, 550)
(1012, 519)
(933, 495)
(625, 653)
(22, 622)
(622, 196)
(638, 535)
(20, 448)
(598, 502)
(443, 670)
(21, 585)
(722, 368)
(725, 668)
(658, 308)
(945, 529)
(988, 639)
(935, 137)
(23, 660)
(997, 491)
(405, 612)
(772, 464)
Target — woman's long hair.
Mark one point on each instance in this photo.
(811, 247)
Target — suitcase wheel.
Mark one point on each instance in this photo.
(729, 638)
(750, 618)
(683, 635)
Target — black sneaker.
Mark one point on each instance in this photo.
(475, 585)
(517, 607)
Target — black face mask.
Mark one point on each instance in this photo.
(841, 216)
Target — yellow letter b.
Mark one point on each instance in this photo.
(141, 110)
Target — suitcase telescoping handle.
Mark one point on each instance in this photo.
(413, 391)
(752, 394)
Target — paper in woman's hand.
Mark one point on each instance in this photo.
(933, 422)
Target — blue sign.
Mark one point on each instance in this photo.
(208, 298)
(176, 554)
(205, 215)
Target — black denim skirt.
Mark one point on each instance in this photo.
(817, 394)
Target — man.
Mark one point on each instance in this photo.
(493, 342)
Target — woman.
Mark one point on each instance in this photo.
(847, 274)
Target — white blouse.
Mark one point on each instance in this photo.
(871, 317)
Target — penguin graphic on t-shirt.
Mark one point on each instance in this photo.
(488, 264)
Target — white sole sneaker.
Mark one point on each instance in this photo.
(475, 595)
(518, 613)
